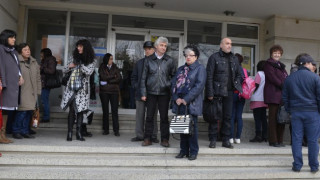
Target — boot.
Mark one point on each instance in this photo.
(3, 138)
(84, 131)
(79, 123)
(71, 118)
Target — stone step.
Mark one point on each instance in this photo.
(40, 172)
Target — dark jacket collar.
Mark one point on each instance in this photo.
(154, 57)
(274, 63)
(194, 65)
(221, 53)
(303, 68)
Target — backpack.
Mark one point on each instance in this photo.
(248, 86)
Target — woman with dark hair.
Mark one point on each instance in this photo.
(258, 106)
(109, 75)
(78, 101)
(237, 109)
(47, 68)
(187, 92)
(11, 78)
(29, 92)
(275, 74)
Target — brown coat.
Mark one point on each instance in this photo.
(112, 76)
(9, 74)
(48, 67)
(32, 84)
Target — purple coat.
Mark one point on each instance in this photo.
(275, 73)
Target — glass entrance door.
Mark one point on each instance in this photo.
(248, 53)
(128, 50)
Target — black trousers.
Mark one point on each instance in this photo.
(225, 121)
(114, 101)
(260, 118)
(163, 105)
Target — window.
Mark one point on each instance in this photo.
(242, 31)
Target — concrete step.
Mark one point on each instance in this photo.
(40, 172)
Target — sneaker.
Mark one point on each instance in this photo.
(231, 140)
(237, 141)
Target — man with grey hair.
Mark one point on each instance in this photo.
(158, 70)
(224, 76)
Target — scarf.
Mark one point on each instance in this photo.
(182, 83)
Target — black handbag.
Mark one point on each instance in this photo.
(182, 124)
(53, 81)
(66, 78)
(283, 116)
(212, 110)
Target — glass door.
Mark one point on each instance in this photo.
(248, 53)
(128, 50)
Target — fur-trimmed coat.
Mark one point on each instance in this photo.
(82, 97)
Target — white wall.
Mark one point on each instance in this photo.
(9, 14)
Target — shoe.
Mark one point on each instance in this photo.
(69, 136)
(314, 171)
(17, 136)
(237, 141)
(87, 134)
(165, 143)
(28, 136)
(105, 133)
(295, 170)
(212, 144)
(146, 142)
(227, 144)
(155, 140)
(274, 144)
(256, 139)
(117, 134)
(181, 155)
(231, 141)
(281, 145)
(192, 157)
(136, 139)
(32, 131)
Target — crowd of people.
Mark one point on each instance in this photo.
(158, 84)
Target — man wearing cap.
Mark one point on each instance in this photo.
(301, 97)
(141, 105)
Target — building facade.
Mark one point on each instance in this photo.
(121, 31)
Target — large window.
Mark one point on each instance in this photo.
(46, 29)
(242, 31)
(207, 36)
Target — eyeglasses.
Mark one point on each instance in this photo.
(185, 55)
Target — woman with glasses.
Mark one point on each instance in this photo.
(187, 87)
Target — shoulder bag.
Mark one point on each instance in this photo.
(53, 81)
(283, 116)
(212, 110)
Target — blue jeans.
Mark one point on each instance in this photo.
(189, 144)
(237, 109)
(305, 123)
(22, 122)
(45, 102)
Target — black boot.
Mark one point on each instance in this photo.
(84, 131)
(79, 123)
(71, 119)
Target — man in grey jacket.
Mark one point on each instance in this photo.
(158, 70)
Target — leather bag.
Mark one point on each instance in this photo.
(212, 110)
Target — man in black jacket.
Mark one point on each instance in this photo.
(141, 105)
(158, 70)
(224, 75)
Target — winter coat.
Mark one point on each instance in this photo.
(9, 74)
(31, 87)
(301, 91)
(82, 96)
(112, 76)
(136, 78)
(194, 98)
(157, 75)
(217, 74)
(275, 76)
(48, 67)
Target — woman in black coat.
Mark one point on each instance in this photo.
(109, 76)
